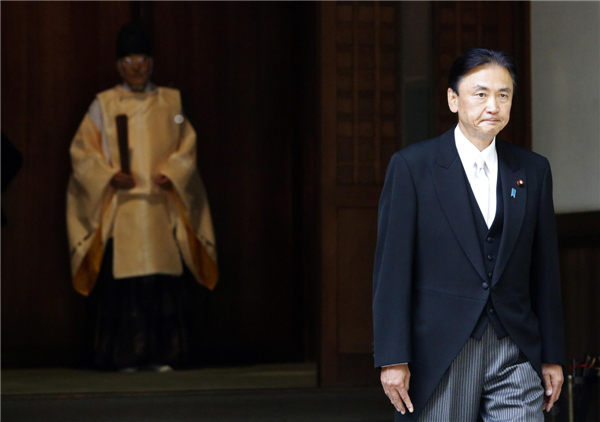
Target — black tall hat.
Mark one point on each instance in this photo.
(133, 38)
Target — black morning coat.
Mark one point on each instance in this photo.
(429, 275)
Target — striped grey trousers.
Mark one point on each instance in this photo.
(489, 379)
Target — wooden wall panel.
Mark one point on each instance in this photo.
(359, 133)
(55, 57)
(357, 237)
(580, 272)
(366, 96)
(236, 69)
(579, 246)
(240, 67)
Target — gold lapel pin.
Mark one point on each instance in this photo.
(520, 183)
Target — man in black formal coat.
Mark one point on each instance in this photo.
(466, 299)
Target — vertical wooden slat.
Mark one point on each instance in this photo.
(479, 27)
(328, 364)
(377, 99)
(355, 76)
(353, 80)
(523, 121)
(457, 47)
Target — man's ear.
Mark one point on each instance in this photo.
(452, 100)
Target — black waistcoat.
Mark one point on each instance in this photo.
(489, 241)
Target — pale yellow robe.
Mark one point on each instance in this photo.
(152, 228)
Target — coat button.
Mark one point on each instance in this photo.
(490, 257)
(489, 240)
(485, 286)
(492, 311)
(490, 275)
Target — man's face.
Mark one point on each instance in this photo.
(483, 102)
(135, 70)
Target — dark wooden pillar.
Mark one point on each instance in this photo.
(579, 246)
(359, 133)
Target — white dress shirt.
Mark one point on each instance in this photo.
(469, 154)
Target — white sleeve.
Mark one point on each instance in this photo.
(95, 112)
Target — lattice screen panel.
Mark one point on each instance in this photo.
(367, 90)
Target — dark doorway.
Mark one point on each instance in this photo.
(247, 72)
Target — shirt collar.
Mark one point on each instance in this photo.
(468, 152)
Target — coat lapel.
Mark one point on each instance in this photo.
(510, 171)
(449, 178)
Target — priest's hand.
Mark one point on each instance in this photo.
(553, 381)
(122, 181)
(163, 181)
(395, 380)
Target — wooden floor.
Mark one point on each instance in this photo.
(278, 393)
(282, 393)
(71, 381)
(287, 405)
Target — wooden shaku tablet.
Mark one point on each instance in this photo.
(123, 137)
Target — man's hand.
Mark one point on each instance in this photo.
(553, 380)
(395, 380)
(163, 181)
(122, 181)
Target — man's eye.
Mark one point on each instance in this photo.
(480, 95)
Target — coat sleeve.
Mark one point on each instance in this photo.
(88, 195)
(545, 278)
(197, 232)
(92, 172)
(392, 275)
(181, 167)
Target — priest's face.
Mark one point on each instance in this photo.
(483, 102)
(135, 70)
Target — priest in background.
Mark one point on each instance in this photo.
(137, 237)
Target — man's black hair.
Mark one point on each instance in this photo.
(133, 38)
(475, 57)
